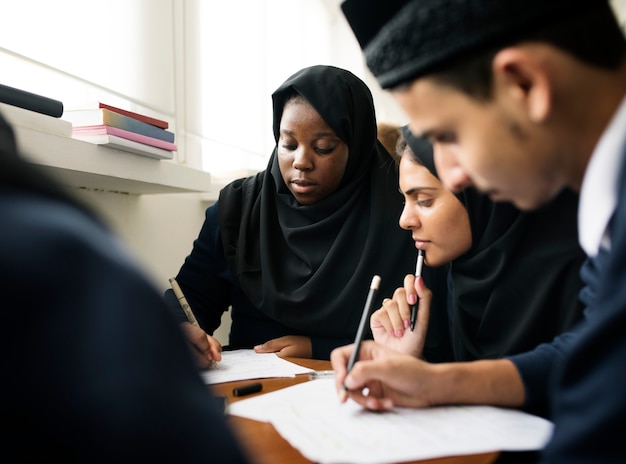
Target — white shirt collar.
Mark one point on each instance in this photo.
(598, 194)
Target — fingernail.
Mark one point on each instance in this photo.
(399, 333)
(412, 299)
(406, 323)
(420, 282)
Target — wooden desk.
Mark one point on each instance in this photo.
(265, 445)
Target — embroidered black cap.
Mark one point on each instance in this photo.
(406, 39)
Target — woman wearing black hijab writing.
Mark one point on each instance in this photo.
(515, 285)
(293, 249)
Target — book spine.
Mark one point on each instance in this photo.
(133, 125)
(128, 145)
(141, 117)
(125, 134)
(30, 101)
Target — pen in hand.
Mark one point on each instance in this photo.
(186, 308)
(418, 272)
(183, 302)
(369, 303)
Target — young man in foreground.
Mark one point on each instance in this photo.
(522, 100)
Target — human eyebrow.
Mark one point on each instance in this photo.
(325, 134)
(415, 190)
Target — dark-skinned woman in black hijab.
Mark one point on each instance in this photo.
(294, 248)
(512, 279)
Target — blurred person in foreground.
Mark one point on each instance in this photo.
(95, 368)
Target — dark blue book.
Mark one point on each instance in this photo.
(31, 101)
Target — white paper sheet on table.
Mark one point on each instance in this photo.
(246, 364)
(311, 418)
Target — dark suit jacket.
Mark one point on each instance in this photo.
(590, 396)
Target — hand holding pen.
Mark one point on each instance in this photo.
(207, 347)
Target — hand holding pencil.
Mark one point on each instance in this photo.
(418, 274)
(367, 310)
(409, 305)
(377, 386)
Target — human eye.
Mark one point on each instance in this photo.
(325, 144)
(424, 200)
(425, 203)
(444, 137)
(325, 148)
(288, 144)
(324, 151)
(440, 137)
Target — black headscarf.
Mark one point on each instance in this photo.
(310, 266)
(518, 284)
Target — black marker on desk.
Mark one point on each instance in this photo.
(247, 389)
(364, 318)
(418, 272)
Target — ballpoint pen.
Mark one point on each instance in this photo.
(418, 272)
(325, 374)
(186, 308)
(183, 302)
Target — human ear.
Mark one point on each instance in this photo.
(524, 76)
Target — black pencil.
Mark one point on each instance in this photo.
(418, 272)
(364, 318)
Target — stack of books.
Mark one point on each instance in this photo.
(125, 130)
(34, 111)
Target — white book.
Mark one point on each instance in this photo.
(126, 145)
(33, 120)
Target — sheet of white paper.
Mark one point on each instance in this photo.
(246, 364)
(310, 417)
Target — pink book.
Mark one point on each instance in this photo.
(110, 130)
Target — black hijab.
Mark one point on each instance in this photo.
(310, 266)
(518, 284)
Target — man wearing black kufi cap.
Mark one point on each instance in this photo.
(523, 99)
